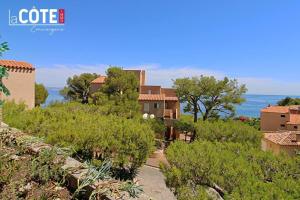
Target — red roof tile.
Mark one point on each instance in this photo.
(279, 109)
(100, 79)
(151, 97)
(171, 98)
(156, 97)
(16, 64)
(287, 138)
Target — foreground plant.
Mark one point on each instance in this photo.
(106, 185)
(127, 142)
(47, 166)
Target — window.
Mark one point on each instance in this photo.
(156, 105)
(149, 91)
(295, 127)
(282, 125)
(282, 116)
(146, 107)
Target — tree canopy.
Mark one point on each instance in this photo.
(228, 131)
(41, 94)
(78, 87)
(119, 94)
(208, 96)
(287, 101)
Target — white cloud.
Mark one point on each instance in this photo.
(164, 76)
(57, 75)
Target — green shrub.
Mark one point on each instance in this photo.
(128, 142)
(242, 172)
(47, 166)
(228, 131)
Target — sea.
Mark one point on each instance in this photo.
(250, 108)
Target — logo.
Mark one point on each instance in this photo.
(39, 19)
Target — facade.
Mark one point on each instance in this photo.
(276, 118)
(154, 100)
(21, 82)
(97, 83)
(285, 141)
(281, 125)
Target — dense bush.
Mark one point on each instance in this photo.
(41, 94)
(287, 101)
(228, 131)
(128, 142)
(239, 171)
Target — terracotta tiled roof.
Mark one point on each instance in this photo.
(278, 109)
(287, 138)
(151, 97)
(294, 119)
(171, 98)
(156, 97)
(100, 79)
(16, 64)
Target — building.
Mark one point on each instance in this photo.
(97, 83)
(154, 100)
(281, 125)
(20, 83)
(285, 141)
(276, 118)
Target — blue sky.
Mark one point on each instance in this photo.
(255, 41)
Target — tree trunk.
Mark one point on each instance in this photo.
(195, 116)
(195, 120)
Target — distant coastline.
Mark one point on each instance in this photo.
(251, 108)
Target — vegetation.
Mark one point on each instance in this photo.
(44, 175)
(228, 131)
(3, 74)
(47, 166)
(78, 88)
(208, 96)
(226, 158)
(23, 176)
(112, 188)
(41, 94)
(185, 125)
(234, 170)
(119, 93)
(287, 101)
(251, 121)
(128, 142)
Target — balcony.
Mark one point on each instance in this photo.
(169, 113)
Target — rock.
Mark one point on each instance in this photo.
(26, 188)
(213, 194)
(15, 157)
(58, 188)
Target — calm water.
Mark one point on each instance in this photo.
(250, 108)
